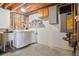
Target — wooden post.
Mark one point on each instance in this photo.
(74, 30)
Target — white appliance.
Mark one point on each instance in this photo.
(22, 38)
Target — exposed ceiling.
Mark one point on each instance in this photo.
(28, 6)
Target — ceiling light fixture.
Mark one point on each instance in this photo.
(23, 9)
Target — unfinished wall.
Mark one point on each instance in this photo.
(52, 37)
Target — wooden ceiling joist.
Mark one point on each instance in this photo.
(1, 4)
(8, 5)
(37, 7)
(30, 7)
(18, 7)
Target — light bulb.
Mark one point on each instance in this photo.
(23, 9)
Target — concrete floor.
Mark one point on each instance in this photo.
(39, 50)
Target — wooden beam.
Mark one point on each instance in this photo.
(18, 7)
(8, 5)
(74, 30)
(1, 4)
